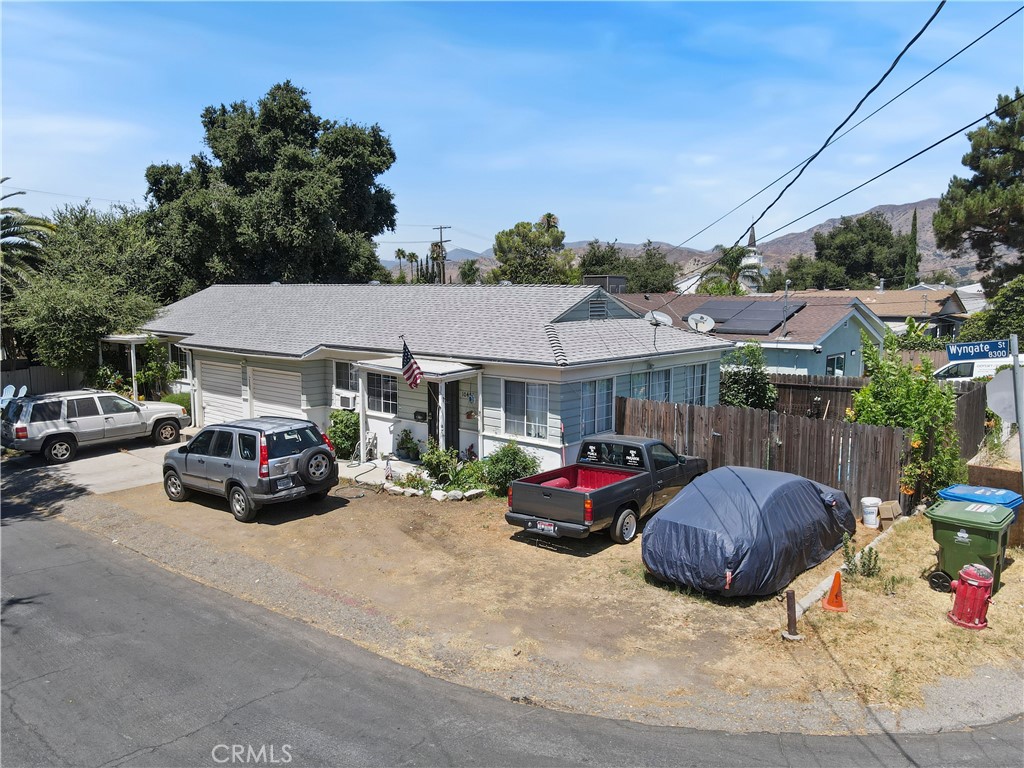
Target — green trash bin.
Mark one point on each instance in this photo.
(968, 532)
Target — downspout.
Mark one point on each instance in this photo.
(362, 417)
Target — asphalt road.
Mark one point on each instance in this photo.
(109, 660)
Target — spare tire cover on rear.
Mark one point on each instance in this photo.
(744, 531)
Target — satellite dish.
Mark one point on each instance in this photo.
(658, 318)
(700, 323)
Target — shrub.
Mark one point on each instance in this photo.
(344, 432)
(184, 399)
(508, 463)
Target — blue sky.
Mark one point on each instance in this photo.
(629, 121)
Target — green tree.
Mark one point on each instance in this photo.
(602, 259)
(23, 237)
(99, 275)
(469, 271)
(526, 252)
(287, 196)
(913, 256)
(986, 211)
(865, 248)
(745, 380)
(650, 271)
(905, 395)
(726, 275)
(805, 273)
(1004, 317)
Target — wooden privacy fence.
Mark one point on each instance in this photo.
(819, 397)
(860, 459)
(40, 379)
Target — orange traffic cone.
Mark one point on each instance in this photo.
(834, 601)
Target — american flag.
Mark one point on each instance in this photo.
(410, 368)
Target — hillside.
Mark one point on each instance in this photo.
(778, 251)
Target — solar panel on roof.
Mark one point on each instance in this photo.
(760, 318)
(721, 310)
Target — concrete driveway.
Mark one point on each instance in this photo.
(107, 468)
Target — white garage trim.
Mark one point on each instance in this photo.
(220, 389)
(276, 393)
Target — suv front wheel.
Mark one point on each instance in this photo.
(59, 450)
(165, 433)
(174, 488)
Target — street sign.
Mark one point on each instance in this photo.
(977, 350)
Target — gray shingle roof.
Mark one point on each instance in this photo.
(466, 322)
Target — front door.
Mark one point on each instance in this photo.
(450, 415)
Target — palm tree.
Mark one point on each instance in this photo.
(547, 222)
(726, 275)
(21, 240)
(400, 256)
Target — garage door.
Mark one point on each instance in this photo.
(277, 393)
(220, 387)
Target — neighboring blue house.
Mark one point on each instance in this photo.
(814, 335)
(539, 364)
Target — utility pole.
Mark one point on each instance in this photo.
(440, 249)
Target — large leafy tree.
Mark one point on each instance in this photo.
(527, 252)
(1004, 317)
(805, 273)
(650, 271)
(745, 379)
(986, 211)
(866, 249)
(602, 259)
(284, 195)
(99, 276)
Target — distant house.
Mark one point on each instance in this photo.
(540, 365)
(818, 335)
(941, 310)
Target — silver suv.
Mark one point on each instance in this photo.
(56, 424)
(253, 462)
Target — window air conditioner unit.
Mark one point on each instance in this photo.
(344, 400)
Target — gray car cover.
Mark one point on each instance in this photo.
(743, 531)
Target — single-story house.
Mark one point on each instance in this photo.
(812, 335)
(537, 364)
(941, 311)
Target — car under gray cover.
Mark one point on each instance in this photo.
(740, 531)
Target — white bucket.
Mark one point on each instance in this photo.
(869, 506)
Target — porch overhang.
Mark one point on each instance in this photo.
(433, 370)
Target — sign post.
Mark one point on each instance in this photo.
(1018, 397)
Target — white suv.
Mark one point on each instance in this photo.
(58, 423)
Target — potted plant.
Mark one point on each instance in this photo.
(407, 446)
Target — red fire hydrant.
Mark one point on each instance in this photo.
(973, 594)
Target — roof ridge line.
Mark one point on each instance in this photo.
(556, 344)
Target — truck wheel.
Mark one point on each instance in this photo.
(174, 488)
(59, 450)
(241, 507)
(165, 433)
(624, 526)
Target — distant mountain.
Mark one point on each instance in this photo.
(776, 252)
(780, 250)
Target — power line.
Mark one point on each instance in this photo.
(848, 118)
(852, 127)
(79, 197)
(893, 168)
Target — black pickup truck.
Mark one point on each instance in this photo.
(614, 482)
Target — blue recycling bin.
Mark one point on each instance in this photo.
(1000, 496)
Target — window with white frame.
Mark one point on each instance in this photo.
(598, 411)
(381, 393)
(179, 357)
(694, 384)
(526, 409)
(835, 365)
(651, 385)
(346, 376)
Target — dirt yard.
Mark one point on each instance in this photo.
(461, 595)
